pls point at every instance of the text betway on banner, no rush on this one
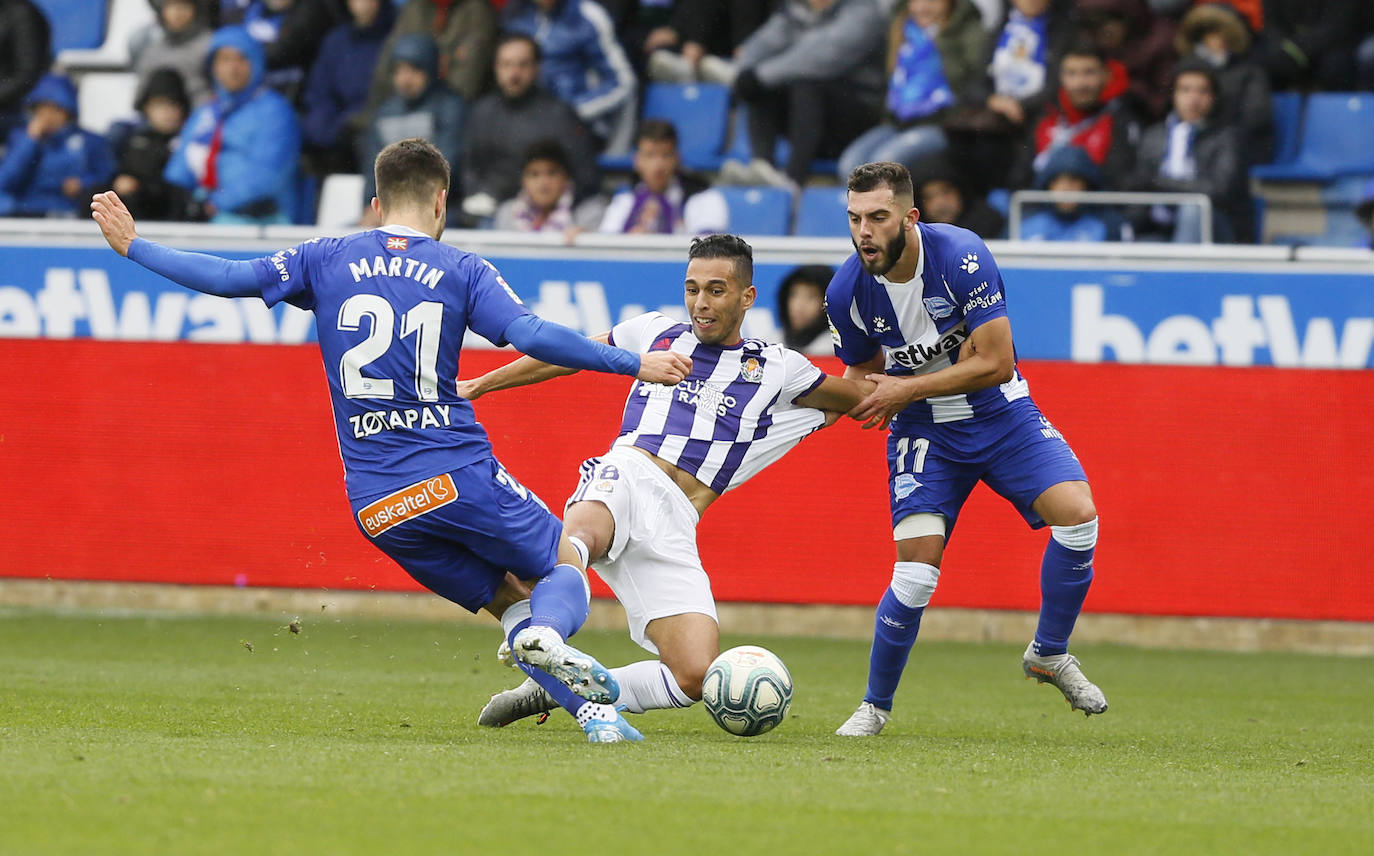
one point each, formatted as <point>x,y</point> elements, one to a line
<point>1293,316</point>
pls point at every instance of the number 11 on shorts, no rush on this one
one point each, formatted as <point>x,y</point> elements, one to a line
<point>906,445</point>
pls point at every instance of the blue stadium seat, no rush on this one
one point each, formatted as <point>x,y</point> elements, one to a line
<point>758,210</point>
<point>75,23</point>
<point>1336,130</point>
<point>821,213</point>
<point>1287,125</point>
<point>699,111</point>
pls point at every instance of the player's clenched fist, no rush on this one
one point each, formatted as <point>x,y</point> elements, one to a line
<point>667,367</point>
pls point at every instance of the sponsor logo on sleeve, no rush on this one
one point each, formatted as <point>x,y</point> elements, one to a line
<point>970,264</point>
<point>407,504</point>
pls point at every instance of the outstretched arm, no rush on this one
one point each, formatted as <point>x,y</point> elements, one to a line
<point>198,271</point>
<point>837,396</point>
<point>657,367</point>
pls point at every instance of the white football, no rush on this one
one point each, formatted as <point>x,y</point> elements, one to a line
<point>747,690</point>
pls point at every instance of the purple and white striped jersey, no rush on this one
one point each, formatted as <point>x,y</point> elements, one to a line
<point>735,414</point>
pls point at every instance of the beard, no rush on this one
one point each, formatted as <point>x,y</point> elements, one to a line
<point>887,256</point>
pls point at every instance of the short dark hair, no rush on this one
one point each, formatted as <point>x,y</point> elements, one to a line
<point>1084,46</point>
<point>1195,65</point>
<point>547,149</point>
<point>871,176</point>
<point>730,247</point>
<point>656,131</point>
<point>410,171</point>
<point>507,37</point>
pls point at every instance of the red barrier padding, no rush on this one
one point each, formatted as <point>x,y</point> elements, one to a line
<point>1225,492</point>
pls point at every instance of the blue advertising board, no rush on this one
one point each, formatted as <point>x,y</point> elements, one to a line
<point>1290,316</point>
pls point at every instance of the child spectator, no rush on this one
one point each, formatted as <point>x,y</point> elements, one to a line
<point>943,197</point>
<point>546,202</point>
<point>1217,34</point>
<point>337,86</point>
<point>142,149</point>
<point>1070,169</point>
<point>1191,151</point>
<point>801,310</point>
<point>179,39</point>
<point>51,165</point>
<point>664,200</point>
<point>237,153</point>
<point>421,105</point>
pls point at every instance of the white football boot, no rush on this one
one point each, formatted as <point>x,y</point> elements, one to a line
<point>867,721</point>
<point>1062,670</point>
<point>545,650</point>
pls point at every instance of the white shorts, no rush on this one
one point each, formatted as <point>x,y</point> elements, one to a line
<point>652,565</point>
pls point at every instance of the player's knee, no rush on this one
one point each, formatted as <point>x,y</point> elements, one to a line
<point>914,582</point>
<point>690,674</point>
<point>1078,536</point>
<point>920,538</point>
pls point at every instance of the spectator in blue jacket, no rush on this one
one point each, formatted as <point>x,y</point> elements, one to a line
<point>50,163</point>
<point>237,153</point>
<point>421,105</point>
<point>583,63</point>
<point>337,87</point>
<point>1070,168</point>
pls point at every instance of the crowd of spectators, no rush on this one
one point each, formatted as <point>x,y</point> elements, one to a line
<point>241,102</point>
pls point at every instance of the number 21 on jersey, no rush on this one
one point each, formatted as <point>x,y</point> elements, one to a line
<point>424,321</point>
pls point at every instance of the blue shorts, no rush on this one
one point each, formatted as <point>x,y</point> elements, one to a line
<point>1017,452</point>
<point>458,533</point>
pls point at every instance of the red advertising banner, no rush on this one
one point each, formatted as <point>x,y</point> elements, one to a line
<point>1222,492</point>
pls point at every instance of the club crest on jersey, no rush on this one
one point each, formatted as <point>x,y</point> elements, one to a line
<point>751,369</point>
<point>970,263</point>
<point>904,485</point>
<point>396,242</point>
<point>938,307</point>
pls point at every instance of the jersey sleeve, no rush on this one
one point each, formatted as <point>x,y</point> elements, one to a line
<point>975,282</point>
<point>853,345</point>
<point>492,303</point>
<point>800,376</point>
<point>285,275</point>
<point>638,333</point>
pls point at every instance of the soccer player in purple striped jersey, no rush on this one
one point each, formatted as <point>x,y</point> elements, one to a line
<point>919,309</point>
<point>635,510</point>
<point>391,308</point>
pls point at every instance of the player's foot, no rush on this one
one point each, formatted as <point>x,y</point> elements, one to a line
<point>867,721</point>
<point>1062,670</point>
<point>545,650</point>
<point>611,730</point>
<point>528,699</point>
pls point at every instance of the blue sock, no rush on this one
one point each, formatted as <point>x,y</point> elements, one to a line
<point>566,698</point>
<point>559,601</point>
<point>894,632</point>
<point>1064,579</point>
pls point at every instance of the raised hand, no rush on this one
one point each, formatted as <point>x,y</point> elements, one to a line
<point>667,367</point>
<point>115,221</point>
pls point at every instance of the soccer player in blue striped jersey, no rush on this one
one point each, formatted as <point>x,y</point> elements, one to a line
<point>919,309</point>
<point>391,308</point>
<point>745,404</point>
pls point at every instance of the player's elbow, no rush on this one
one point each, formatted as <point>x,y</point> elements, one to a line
<point>1003,370</point>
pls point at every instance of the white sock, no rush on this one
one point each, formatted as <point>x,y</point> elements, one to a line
<point>591,710</point>
<point>648,685</point>
<point>514,614</point>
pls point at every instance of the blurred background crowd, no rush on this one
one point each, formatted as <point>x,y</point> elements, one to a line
<point>691,116</point>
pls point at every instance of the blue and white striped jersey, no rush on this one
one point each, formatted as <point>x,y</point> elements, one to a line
<point>735,414</point>
<point>920,325</point>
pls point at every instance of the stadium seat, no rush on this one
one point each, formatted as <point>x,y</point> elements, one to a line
<point>1336,130</point>
<point>821,213</point>
<point>123,19</point>
<point>105,97</point>
<point>758,210</point>
<point>699,111</point>
<point>341,200</point>
<point>1287,125</point>
<point>76,24</point>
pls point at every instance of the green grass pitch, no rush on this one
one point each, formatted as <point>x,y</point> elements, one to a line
<point>132,734</point>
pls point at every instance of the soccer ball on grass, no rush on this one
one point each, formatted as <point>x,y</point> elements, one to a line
<point>747,690</point>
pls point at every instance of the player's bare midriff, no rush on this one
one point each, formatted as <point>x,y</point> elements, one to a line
<point>698,494</point>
